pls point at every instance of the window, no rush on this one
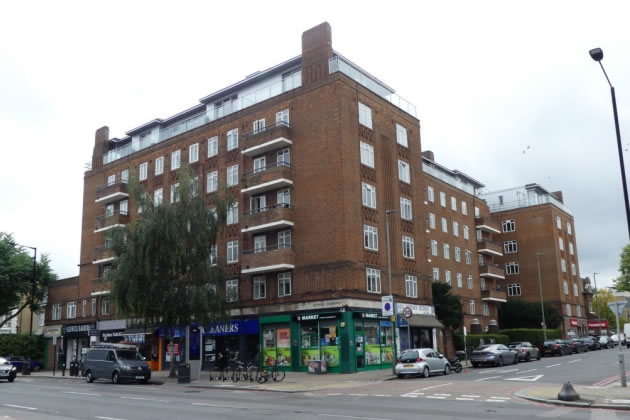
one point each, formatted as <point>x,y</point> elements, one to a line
<point>213,146</point>
<point>469,280</point>
<point>571,248</point>
<point>434,247</point>
<point>511,268</point>
<point>283,157</point>
<point>158,196</point>
<point>578,310</point>
<point>232,175</point>
<point>430,194</point>
<point>479,235</point>
<point>569,229</point>
<point>284,239</point>
<point>284,197</point>
<point>411,286</point>
<point>284,284</point>
<point>509,225</point>
<point>367,154</point>
<point>432,220</point>
<point>447,277</point>
<point>258,203</point>
<point>455,228</point>
<point>453,203</point>
<point>573,270</point>
<point>109,210</point>
<point>561,244</point>
<point>260,287</point>
<point>458,254</point>
<point>471,307</point>
<point>480,259</point>
<point>444,225</point>
<point>259,164</point>
<point>259,125</point>
<point>260,243</point>
<point>143,171</point>
<point>84,308</point>
<point>71,310</point>
<point>405,208</point>
<point>232,251</point>
<point>466,234</point>
<point>373,277</point>
<point>175,193</point>
<point>176,159</point>
<point>124,207</point>
<point>368,194</point>
<point>565,287</point>
<point>56,312</point>
<point>213,254</point>
<point>403,172</point>
<point>401,135</point>
<point>477,212</point>
<point>436,274</point>
<point>482,283</point>
<point>575,289</point>
<point>468,257</point>
<point>231,290</point>
<point>442,199</point>
<point>159,165</point>
<point>365,115</point>
<point>232,214</point>
<point>212,181</point>
<point>568,309</point>
<point>124,176</point>
<point>232,139</point>
<point>464,208</point>
<point>408,247</point>
<point>509,247</point>
<point>559,222</point>
<point>590,306</point>
<point>514,289</point>
<point>111,180</point>
<point>459,278</point>
<point>447,251</point>
<point>105,306</point>
<point>563,265</point>
<point>485,310</point>
<point>93,313</point>
<point>370,237</point>
<point>282,117</point>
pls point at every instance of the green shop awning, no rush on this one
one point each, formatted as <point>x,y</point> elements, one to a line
<point>426,321</point>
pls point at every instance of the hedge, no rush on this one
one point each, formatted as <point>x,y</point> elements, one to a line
<point>533,335</point>
<point>22,345</point>
<point>473,340</point>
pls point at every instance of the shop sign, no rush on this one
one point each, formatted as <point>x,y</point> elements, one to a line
<point>416,309</point>
<point>78,330</point>
<point>573,322</point>
<point>597,324</point>
<point>315,317</point>
<point>234,327</point>
<point>169,349</point>
<point>370,315</point>
<point>106,335</point>
<point>52,331</point>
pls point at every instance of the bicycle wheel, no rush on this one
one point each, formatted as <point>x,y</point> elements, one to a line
<point>236,374</point>
<point>251,373</point>
<point>277,374</point>
<point>262,376</point>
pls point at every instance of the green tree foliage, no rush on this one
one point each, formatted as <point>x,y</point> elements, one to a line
<point>31,346</point>
<point>448,307</point>
<point>601,299</point>
<point>533,335</point>
<point>16,279</point>
<point>474,340</point>
<point>162,272</point>
<point>622,283</point>
<point>523,314</point>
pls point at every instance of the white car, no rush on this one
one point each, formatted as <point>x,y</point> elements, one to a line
<point>615,339</point>
<point>423,362</point>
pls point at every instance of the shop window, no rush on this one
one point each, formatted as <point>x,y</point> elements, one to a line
<point>277,346</point>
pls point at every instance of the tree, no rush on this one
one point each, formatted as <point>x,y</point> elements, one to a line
<point>448,307</point>
<point>524,314</point>
<point>16,279</point>
<point>601,299</point>
<point>162,271</point>
<point>622,283</point>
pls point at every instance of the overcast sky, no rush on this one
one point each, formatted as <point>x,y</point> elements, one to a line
<point>488,79</point>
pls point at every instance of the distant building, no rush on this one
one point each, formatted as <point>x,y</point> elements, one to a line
<point>11,326</point>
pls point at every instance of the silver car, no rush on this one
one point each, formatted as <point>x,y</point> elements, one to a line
<point>423,362</point>
<point>493,354</point>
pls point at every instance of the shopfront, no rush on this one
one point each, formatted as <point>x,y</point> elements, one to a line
<point>76,337</point>
<point>319,340</point>
<point>237,339</point>
<point>374,341</point>
<point>277,340</point>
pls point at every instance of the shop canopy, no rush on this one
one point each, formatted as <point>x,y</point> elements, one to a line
<point>426,321</point>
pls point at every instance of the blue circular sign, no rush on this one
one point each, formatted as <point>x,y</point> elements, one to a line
<point>388,306</point>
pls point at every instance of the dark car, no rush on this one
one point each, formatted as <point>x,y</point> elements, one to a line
<point>526,350</point>
<point>591,343</point>
<point>7,370</point>
<point>19,361</point>
<point>553,347</point>
<point>577,345</point>
<point>493,354</point>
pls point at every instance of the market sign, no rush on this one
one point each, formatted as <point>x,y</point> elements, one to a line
<point>315,317</point>
<point>597,324</point>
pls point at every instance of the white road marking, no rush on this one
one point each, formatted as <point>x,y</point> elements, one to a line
<point>525,371</point>
<point>471,396</point>
<point>464,399</point>
<point>352,417</point>
<point>493,400</point>
<point>108,418</point>
<point>382,395</point>
<point>620,401</point>
<point>501,398</point>
<point>80,393</point>
<point>576,360</point>
<point>507,371</point>
<point>557,364</point>
<point>435,386</point>
<point>532,378</point>
<point>218,405</point>
<point>488,371</point>
<point>358,395</point>
<point>485,379</point>
<point>434,397</point>
<point>143,399</point>
<point>443,395</point>
<point>334,394</point>
<point>19,406</point>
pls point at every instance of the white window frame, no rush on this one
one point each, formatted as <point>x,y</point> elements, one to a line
<point>370,237</point>
<point>213,254</point>
<point>284,239</point>
<point>260,243</point>
<point>373,280</point>
<point>213,146</point>
<point>458,254</point>
<point>232,214</point>
<point>575,289</point>
<point>367,154</point>
<point>569,309</point>
<point>559,222</point>
<point>512,268</point>
<point>573,270</point>
<point>460,280</point>
<point>175,192</point>
<point>411,286</point>
<point>365,115</point>
<point>436,274</point>
<point>510,247</point>
<point>453,203</point>
<point>514,289</point>
<point>401,135</point>
<point>193,153</point>
<point>124,176</point>
<point>159,166</point>
<point>231,290</point>
<point>143,171</point>
<point>158,196</point>
<point>578,311</point>
<point>431,194</point>
<point>408,247</point>
<point>563,265</point>
<point>283,157</point>
<point>111,180</point>
<point>406,210</point>
<point>212,181</point>
<point>106,306</point>
<point>561,244</point>
<point>232,175</point>
<point>282,117</point>
<point>571,248</point>
<point>444,225</point>
<point>56,312</point>
<point>232,139</point>
<point>260,287</point>
<point>124,207</point>
<point>404,171</point>
<point>434,247</point>
<point>447,277</point>
<point>284,283</point>
<point>432,220</point>
<point>466,232</point>
<point>509,225</point>
<point>176,159</point>
<point>469,280</point>
<point>455,228</point>
<point>565,287</point>
<point>464,208</point>
<point>258,125</point>
<point>472,307</point>
<point>283,196</point>
<point>232,251</point>
<point>468,257</point>
<point>569,228</point>
<point>259,164</point>
<point>368,195</point>
<point>447,251</point>
<point>442,199</point>
<point>83,308</point>
<point>485,309</point>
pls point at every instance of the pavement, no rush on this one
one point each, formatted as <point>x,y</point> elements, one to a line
<point>611,397</point>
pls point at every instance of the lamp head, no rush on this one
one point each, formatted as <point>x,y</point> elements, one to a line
<point>596,54</point>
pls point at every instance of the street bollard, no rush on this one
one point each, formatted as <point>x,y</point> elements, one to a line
<point>568,393</point>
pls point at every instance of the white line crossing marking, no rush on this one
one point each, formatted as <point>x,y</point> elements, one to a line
<point>493,400</point>
<point>144,399</point>
<point>351,417</point>
<point>382,395</point>
<point>557,364</point>
<point>443,395</point>
<point>507,370</point>
<point>485,379</point>
<point>574,361</point>
<point>80,393</point>
<point>501,398</point>
<point>488,371</point>
<point>218,405</point>
<point>464,399</point>
<point>471,396</point>
<point>358,395</point>
<point>107,418</point>
<point>19,406</point>
<point>435,386</point>
<point>334,394</point>
<point>434,397</point>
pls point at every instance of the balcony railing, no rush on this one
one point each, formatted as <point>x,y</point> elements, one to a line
<point>264,209</point>
<point>269,91</point>
<point>491,270</point>
<point>541,199</point>
<point>451,180</point>
<point>339,64</point>
<point>112,191</point>
<point>106,221</point>
<point>281,164</point>
<point>274,217</point>
<point>270,138</point>
<point>487,224</point>
<point>267,248</point>
<point>485,246</point>
<point>267,129</point>
<point>494,294</point>
<point>268,259</point>
<point>102,253</point>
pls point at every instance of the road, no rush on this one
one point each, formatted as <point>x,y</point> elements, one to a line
<point>479,394</point>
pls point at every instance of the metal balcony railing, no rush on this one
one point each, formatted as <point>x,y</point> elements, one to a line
<point>267,248</point>
<point>264,209</point>
<point>266,168</point>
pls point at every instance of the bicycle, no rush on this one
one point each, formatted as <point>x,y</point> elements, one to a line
<point>277,375</point>
<point>244,373</point>
<point>219,374</point>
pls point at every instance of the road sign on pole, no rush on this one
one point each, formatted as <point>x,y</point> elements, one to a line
<point>387,305</point>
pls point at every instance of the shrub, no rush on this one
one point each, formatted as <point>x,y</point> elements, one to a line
<point>533,335</point>
<point>22,345</point>
<point>473,340</point>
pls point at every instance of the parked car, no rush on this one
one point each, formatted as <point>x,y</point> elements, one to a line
<point>19,361</point>
<point>615,339</point>
<point>526,350</point>
<point>591,343</point>
<point>7,370</point>
<point>577,345</point>
<point>117,362</point>
<point>423,362</point>
<point>557,346</point>
<point>605,342</point>
<point>493,354</point>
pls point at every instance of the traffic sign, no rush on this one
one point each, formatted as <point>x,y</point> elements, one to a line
<point>407,312</point>
<point>387,304</point>
<point>617,307</point>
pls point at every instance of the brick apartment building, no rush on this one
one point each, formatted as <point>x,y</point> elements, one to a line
<point>316,150</point>
<point>533,221</point>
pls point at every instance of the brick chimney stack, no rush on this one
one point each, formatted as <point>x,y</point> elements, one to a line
<point>100,146</point>
<point>316,51</point>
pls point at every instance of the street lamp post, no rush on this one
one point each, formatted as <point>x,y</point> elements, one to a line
<point>542,306</point>
<point>391,293</point>
<point>599,320</point>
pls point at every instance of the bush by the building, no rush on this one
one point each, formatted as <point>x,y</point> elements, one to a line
<point>31,346</point>
<point>533,335</point>
<point>474,340</point>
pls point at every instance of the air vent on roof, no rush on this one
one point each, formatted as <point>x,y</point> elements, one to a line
<point>252,75</point>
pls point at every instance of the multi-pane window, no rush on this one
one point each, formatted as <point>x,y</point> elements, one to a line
<point>514,289</point>
<point>158,196</point>
<point>232,139</point>
<point>468,257</point>
<point>571,248</point>
<point>109,210</point>
<point>458,254</point>
<point>212,181</point>
<point>260,243</point>
<point>573,269</point>
<point>213,146</point>
<point>447,251</point>
<point>176,159</point>
<point>569,229</point>
<point>231,290</point>
<point>447,277</point>
<point>232,251</point>
<point>93,313</point>
<point>405,208</point>
<point>401,135</point>
<point>260,287</point>
<point>511,268</point>
<point>442,199</point>
<point>232,175</point>
<point>509,225</point>
<point>578,310</point>
<point>71,310</point>
<point>284,284</point>
<point>259,164</point>
<point>482,283</point>
<point>373,277</point>
<point>455,228</point>
<point>111,180</point>
<point>436,274</point>
<point>193,153</point>
<point>282,117</point>
<point>563,265</point>
<point>403,172</point>
<point>232,214</point>
<point>575,289</point>
<point>143,171</point>
<point>213,254</point>
<point>259,125</point>
<point>283,157</point>
<point>283,197</point>
<point>477,214</point>
<point>434,247</point>
<point>408,247</point>
<point>453,203</point>
<point>365,115</point>
<point>444,225</point>
<point>469,280</point>
<point>509,247</point>
<point>565,287</point>
<point>175,192</point>
<point>464,208</point>
<point>124,207</point>
<point>559,222</point>
<point>561,244</point>
<point>471,307</point>
<point>432,220</point>
<point>367,154</point>
<point>370,237</point>
<point>466,233</point>
<point>431,194</point>
<point>159,165</point>
<point>568,309</point>
<point>105,306</point>
<point>411,286</point>
<point>460,282</point>
<point>284,239</point>
<point>485,310</point>
<point>368,194</point>
<point>258,203</point>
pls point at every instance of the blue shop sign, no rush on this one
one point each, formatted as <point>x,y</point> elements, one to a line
<point>233,327</point>
<point>178,332</point>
